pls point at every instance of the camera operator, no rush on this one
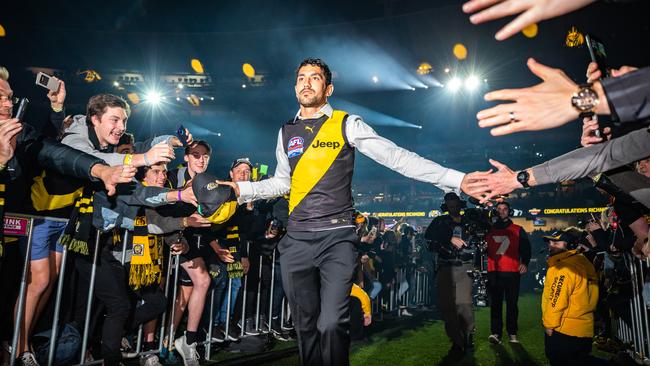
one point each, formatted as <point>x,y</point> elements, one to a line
<point>508,250</point>
<point>445,234</point>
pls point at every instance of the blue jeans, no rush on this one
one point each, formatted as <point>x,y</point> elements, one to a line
<point>219,285</point>
<point>236,284</point>
<point>375,289</point>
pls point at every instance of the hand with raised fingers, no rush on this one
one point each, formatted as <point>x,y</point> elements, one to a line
<point>530,12</point>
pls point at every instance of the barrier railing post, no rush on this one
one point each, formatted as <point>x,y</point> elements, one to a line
<point>282,312</point>
<point>125,239</point>
<point>89,303</point>
<point>244,288</point>
<point>163,321</point>
<point>636,324</point>
<point>177,264</point>
<point>21,294</point>
<point>259,293</point>
<point>208,346</point>
<point>271,293</point>
<point>57,306</point>
<point>228,303</point>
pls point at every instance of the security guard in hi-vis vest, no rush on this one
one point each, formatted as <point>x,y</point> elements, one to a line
<point>315,153</point>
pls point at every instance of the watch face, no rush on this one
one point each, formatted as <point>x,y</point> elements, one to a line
<point>585,99</point>
<point>522,177</point>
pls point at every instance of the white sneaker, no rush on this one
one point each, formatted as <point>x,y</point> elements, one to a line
<point>28,359</point>
<point>150,360</point>
<point>405,312</point>
<point>187,351</point>
<point>513,338</point>
<point>494,339</point>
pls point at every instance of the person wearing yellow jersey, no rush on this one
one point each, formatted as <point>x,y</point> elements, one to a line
<point>315,154</point>
<point>360,312</point>
<point>568,303</point>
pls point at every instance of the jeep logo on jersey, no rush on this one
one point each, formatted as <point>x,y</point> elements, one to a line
<point>333,144</point>
<point>295,146</point>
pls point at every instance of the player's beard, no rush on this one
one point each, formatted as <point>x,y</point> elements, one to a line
<point>310,101</point>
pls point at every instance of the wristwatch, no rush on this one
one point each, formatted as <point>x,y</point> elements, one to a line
<point>585,100</point>
<point>522,177</point>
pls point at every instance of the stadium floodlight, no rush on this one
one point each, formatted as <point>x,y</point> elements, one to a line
<point>472,83</point>
<point>454,84</point>
<point>153,97</point>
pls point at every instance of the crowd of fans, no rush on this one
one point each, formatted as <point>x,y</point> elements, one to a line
<point>160,265</point>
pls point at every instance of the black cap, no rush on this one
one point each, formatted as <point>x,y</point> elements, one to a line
<point>216,202</point>
<point>561,235</point>
<point>240,161</point>
<point>451,196</point>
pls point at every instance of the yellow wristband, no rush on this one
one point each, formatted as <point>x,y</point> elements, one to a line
<point>128,159</point>
<point>56,109</point>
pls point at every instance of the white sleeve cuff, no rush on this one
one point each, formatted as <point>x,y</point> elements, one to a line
<point>246,192</point>
<point>452,180</point>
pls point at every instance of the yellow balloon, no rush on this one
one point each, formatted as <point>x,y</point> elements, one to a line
<point>194,100</point>
<point>460,51</point>
<point>530,31</point>
<point>197,66</point>
<point>248,70</point>
<point>133,98</point>
<point>2,31</point>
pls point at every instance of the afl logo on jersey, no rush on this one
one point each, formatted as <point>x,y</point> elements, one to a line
<point>295,147</point>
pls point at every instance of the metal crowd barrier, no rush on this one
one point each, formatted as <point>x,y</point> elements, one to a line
<point>229,298</point>
<point>26,229</point>
<point>418,293</point>
<point>637,333</point>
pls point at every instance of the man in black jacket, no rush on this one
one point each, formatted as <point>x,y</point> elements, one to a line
<point>447,236</point>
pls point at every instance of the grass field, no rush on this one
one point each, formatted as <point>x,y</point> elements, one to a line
<point>421,340</point>
<point>427,344</point>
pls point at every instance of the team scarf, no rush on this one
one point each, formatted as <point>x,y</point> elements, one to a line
<point>147,257</point>
<point>77,233</point>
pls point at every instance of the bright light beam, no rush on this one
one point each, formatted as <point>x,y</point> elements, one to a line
<point>153,97</point>
<point>472,83</point>
<point>454,84</point>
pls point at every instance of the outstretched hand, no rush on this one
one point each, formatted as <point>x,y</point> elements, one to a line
<point>494,184</point>
<point>232,185</point>
<point>543,106</point>
<point>530,12</point>
<point>473,178</point>
<point>111,176</point>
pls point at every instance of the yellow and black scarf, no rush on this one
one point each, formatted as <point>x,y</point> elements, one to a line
<point>147,257</point>
<point>80,225</point>
<point>234,269</point>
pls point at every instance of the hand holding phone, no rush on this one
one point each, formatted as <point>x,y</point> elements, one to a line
<point>597,54</point>
<point>47,81</point>
<point>181,133</point>
<point>22,108</point>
